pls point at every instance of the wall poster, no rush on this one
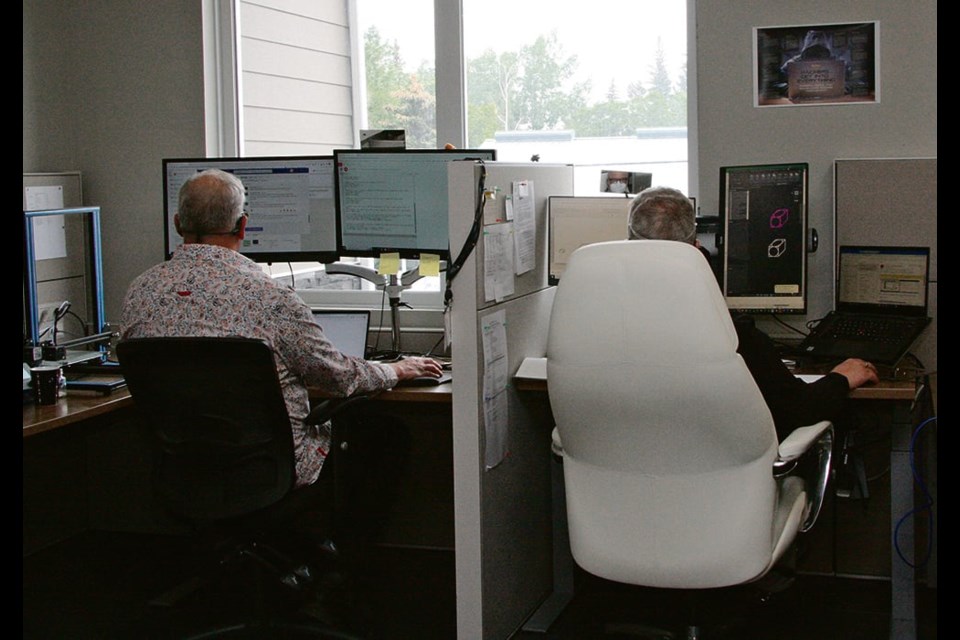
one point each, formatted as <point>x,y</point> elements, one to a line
<point>817,64</point>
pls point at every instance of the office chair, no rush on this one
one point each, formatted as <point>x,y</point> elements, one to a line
<point>672,470</point>
<point>223,461</point>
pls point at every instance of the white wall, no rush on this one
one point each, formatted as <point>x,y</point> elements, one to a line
<point>732,131</point>
<point>111,88</point>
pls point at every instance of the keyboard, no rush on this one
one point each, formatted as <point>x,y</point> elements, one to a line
<point>873,329</point>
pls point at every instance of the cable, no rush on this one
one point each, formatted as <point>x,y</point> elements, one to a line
<point>788,326</point>
<point>429,353</point>
<point>471,242</point>
<point>926,506</point>
<point>81,321</point>
<point>810,324</point>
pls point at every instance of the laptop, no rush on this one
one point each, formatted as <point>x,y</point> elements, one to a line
<point>881,306</point>
<point>346,330</point>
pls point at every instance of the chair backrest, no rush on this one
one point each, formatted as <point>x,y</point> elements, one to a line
<point>221,433</point>
<point>668,444</point>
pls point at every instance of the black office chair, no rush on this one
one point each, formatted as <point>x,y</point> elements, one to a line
<point>223,461</point>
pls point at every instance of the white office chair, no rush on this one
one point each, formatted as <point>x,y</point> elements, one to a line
<point>673,474</point>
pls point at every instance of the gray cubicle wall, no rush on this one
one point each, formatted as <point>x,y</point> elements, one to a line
<point>886,201</point>
<point>892,201</point>
<point>502,514</point>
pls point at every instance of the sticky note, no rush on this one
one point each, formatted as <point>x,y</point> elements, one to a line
<point>429,264</point>
<point>389,264</point>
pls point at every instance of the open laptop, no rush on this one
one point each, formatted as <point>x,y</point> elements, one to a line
<point>347,330</point>
<point>881,306</point>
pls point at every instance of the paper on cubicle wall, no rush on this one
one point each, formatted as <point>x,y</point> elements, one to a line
<point>49,236</point>
<point>495,377</point>
<point>524,226</point>
<point>498,271</point>
<point>41,198</point>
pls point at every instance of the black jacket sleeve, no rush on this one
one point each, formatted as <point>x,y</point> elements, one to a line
<point>792,402</point>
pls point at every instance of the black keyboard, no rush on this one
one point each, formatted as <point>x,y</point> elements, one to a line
<point>873,329</point>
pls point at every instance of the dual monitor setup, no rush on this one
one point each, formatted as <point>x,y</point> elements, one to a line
<point>761,237</point>
<point>355,203</point>
<point>365,203</point>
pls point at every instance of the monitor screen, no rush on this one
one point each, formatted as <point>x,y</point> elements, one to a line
<point>395,201</point>
<point>289,201</point>
<point>763,237</point>
<point>575,221</point>
<point>346,330</point>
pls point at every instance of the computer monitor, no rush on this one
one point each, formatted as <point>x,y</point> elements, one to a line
<point>763,210</point>
<point>289,201</point>
<point>575,221</point>
<point>395,201</point>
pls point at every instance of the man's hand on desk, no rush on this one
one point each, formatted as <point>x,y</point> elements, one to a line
<point>857,372</point>
<point>416,367</point>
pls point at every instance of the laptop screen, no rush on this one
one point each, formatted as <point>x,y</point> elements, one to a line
<point>346,330</point>
<point>883,279</point>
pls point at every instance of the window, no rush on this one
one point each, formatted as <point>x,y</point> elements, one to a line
<point>601,86</point>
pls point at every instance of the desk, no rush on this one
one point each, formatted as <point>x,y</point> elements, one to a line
<point>71,410</point>
<point>79,407</point>
<point>401,442</point>
<point>57,463</point>
<point>903,615</point>
<point>85,467</point>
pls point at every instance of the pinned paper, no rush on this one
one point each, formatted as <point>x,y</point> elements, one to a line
<point>525,225</point>
<point>389,264</point>
<point>429,264</point>
<point>496,419</point>
<point>498,278</point>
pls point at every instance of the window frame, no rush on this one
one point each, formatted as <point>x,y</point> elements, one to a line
<point>224,124</point>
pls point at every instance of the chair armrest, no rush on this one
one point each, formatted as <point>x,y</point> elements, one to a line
<point>814,440</point>
<point>800,441</point>
<point>325,410</point>
<point>556,446</point>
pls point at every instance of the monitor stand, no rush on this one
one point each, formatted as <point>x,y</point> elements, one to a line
<point>393,284</point>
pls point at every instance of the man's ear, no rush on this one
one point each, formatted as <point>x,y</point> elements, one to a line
<point>241,228</point>
<point>176,224</point>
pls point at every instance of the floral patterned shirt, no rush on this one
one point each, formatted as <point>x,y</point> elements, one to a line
<point>207,290</point>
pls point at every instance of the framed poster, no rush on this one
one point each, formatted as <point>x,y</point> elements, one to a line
<point>816,64</point>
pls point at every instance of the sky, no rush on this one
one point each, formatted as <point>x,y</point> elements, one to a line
<point>616,41</point>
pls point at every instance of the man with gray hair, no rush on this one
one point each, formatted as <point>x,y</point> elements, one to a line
<point>662,213</point>
<point>208,289</point>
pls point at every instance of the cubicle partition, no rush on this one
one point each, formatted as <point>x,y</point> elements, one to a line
<point>501,438</point>
<point>892,201</point>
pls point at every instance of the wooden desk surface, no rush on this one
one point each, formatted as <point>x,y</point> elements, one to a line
<point>441,393</point>
<point>74,408</point>
<point>77,407</point>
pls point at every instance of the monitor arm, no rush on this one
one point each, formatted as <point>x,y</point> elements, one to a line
<point>392,284</point>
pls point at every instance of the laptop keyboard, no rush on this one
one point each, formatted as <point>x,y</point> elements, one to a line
<point>873,329</point>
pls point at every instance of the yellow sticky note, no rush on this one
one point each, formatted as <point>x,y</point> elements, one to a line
<point>429,264</point>
<point>389,264</point>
